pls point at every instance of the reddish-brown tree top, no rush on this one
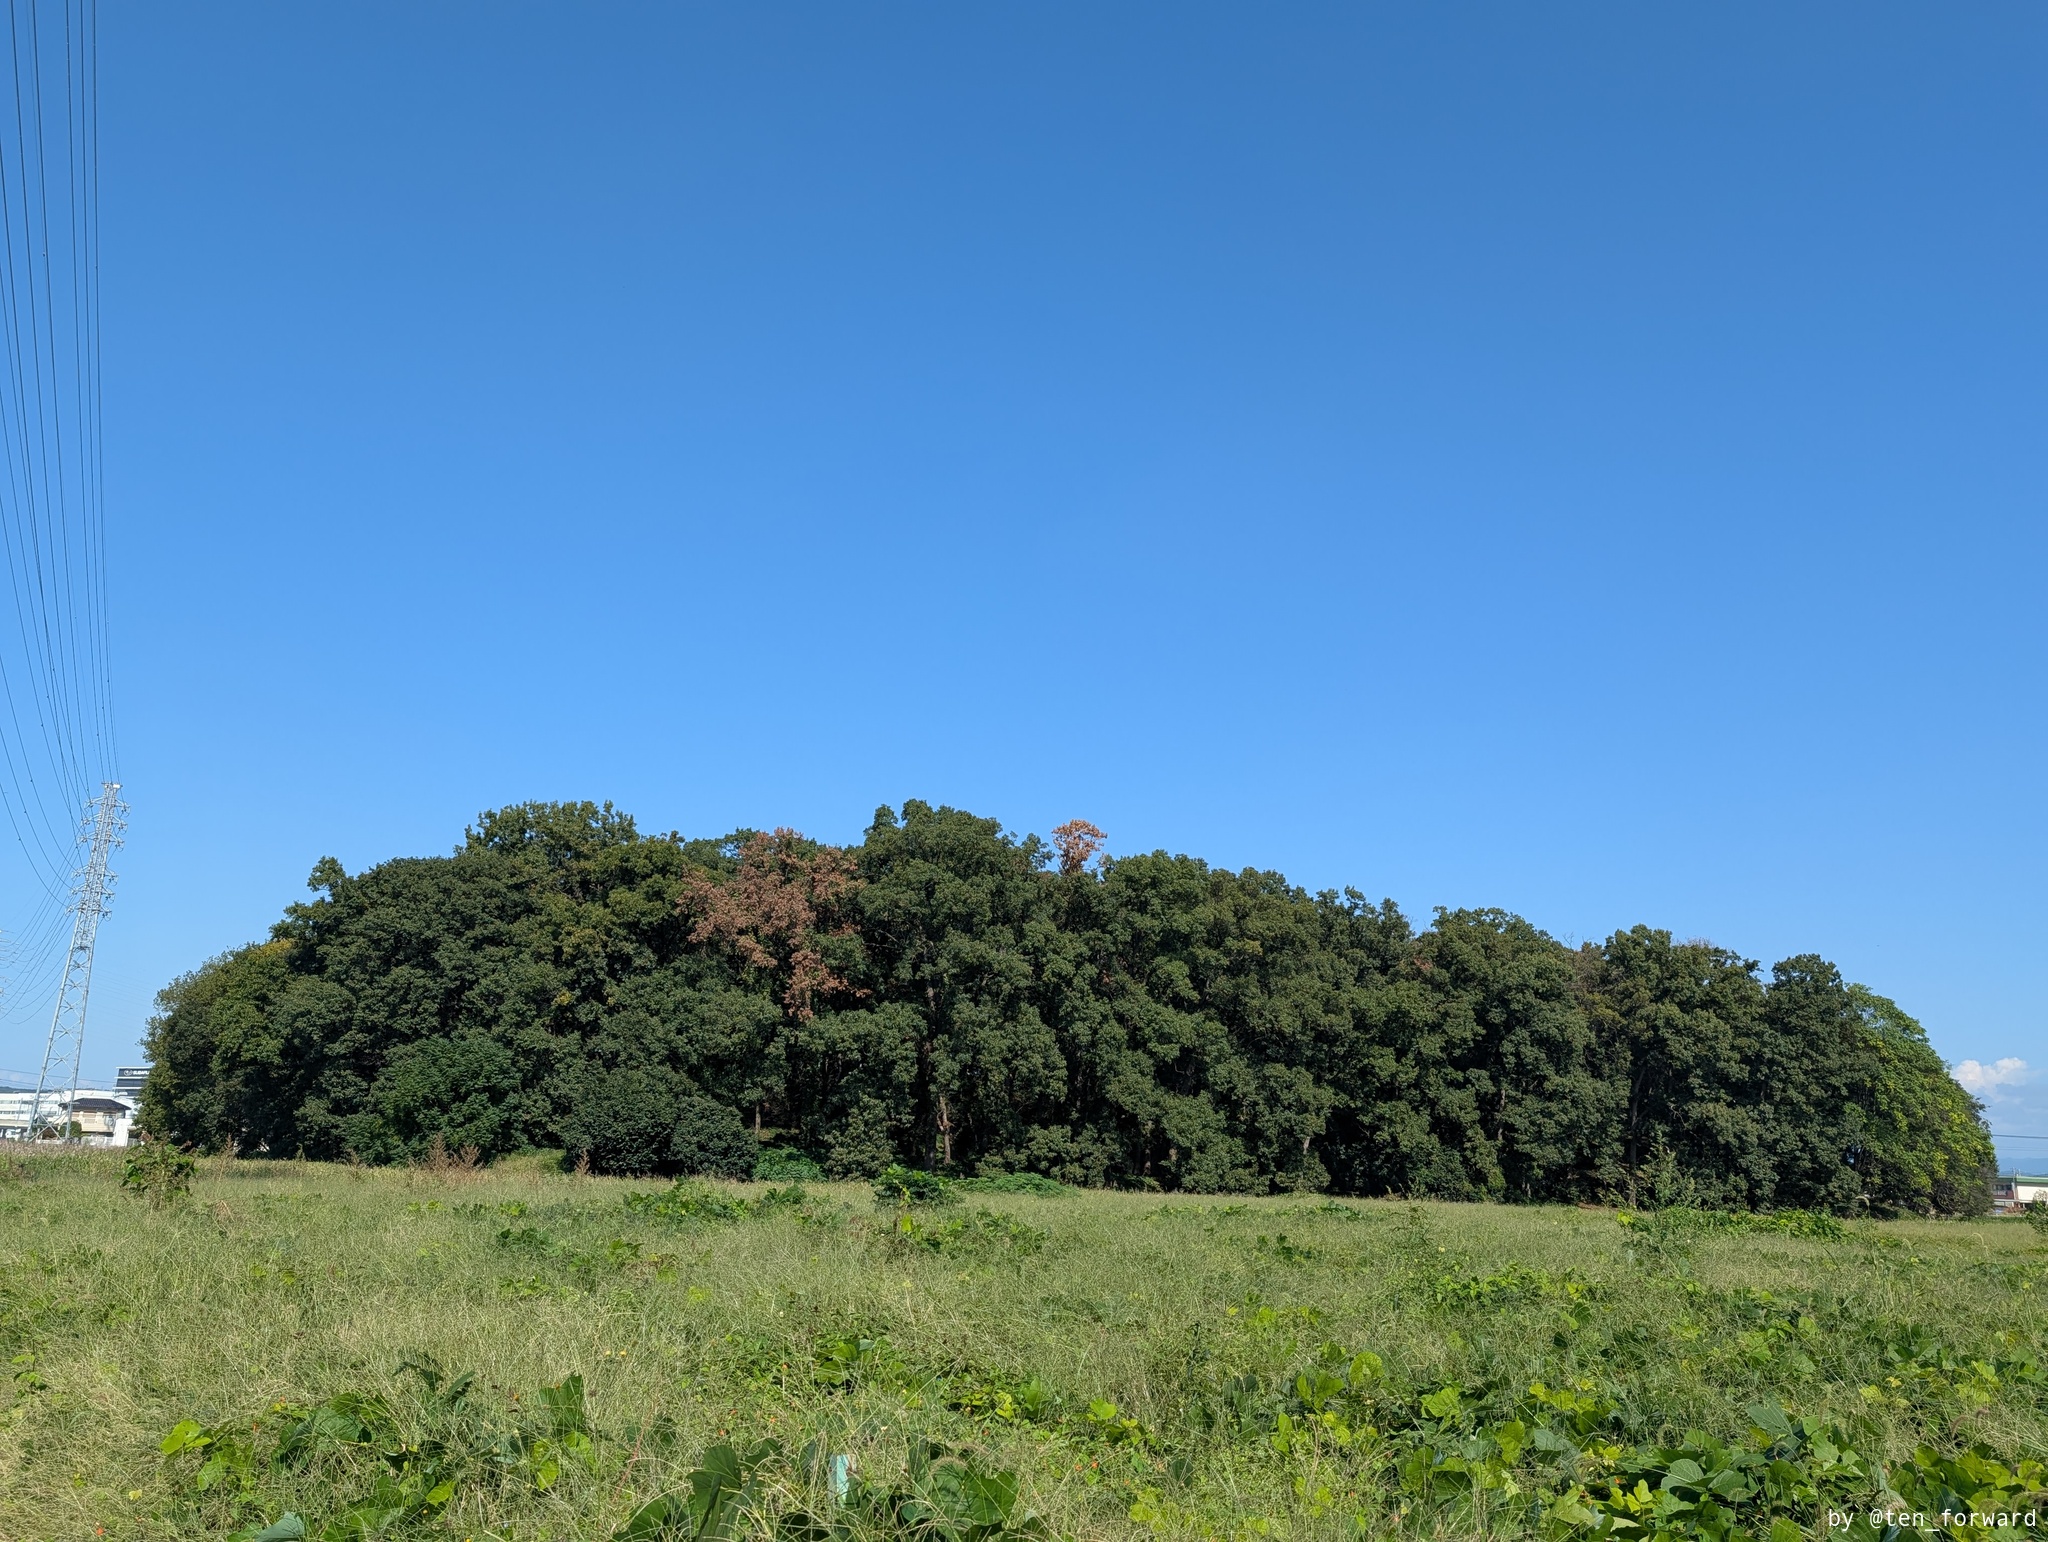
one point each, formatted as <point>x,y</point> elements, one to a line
<point>1076,841</point>
<point>776,911</point>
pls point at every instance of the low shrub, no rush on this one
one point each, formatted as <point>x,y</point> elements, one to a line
<point>632,1122</point>
<point>1016,1183</point>
<point>906,1186</point>
<point>1683,1221</point>
<point>709,1139</point>
<point>621,1122</point>
<point>159,1172</point>
<point>786,1164</point>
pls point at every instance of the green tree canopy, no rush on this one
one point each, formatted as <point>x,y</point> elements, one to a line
<point>946,994</point>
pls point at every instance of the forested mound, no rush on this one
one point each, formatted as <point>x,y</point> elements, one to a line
<point>946,995</point>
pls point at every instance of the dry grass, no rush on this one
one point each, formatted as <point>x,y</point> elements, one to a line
<point>285,1283</point>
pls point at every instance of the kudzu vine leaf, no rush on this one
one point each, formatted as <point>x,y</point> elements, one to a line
<point>288,1527</point>
<point>1442,1404</point>
<point>1772,1420</point>
<point>653,1521</point>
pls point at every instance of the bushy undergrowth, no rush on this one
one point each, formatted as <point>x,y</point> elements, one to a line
<point>786,1164</point>
<point>160,1173</point>
<point>338,1355</point>
<point>1680,1221</point>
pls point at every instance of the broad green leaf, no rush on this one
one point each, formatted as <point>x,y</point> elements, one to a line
<point>1687,1471</point>
<point>565,1405</point>
<point>654,1521</point>
<point>1771,1419</point>
<point>1442,1404</point>
<point>288,1527</point>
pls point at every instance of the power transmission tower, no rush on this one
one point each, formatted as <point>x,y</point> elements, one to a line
<point>106,817</point>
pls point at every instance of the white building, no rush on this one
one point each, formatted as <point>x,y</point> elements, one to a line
<point>104,1116</point>
<point>2015,1191</point>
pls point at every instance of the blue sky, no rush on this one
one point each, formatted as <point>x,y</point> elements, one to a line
<point>1582,460</point>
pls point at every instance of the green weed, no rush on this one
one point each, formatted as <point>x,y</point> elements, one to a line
<point>979,1234</point>
<point>906,1186</point>
<point>1510,1285</point>
<point>1680,1221</point>
<point>786,1164</point>
<point>685,1200</point>
<point>159,1172</point>
<point>1410,1371</point>
<point>1016,1183</point>
<point>387,1472</point>
<point>944,1495</point>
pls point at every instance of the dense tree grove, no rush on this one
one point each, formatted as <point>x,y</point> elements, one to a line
<point>948,995</point>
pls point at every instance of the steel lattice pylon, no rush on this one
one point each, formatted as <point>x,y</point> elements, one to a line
<point>105,818</point>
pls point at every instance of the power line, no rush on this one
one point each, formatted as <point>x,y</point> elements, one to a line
<point>57,739</point>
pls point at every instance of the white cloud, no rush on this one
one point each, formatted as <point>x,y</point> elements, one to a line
<point>1985,1080</point>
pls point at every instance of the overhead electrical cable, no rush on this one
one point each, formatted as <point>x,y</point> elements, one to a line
<point>58,746</point>
<point>39,614</point>
<point>25,546</point>
<point>49,419</point>
<point>69,637</point>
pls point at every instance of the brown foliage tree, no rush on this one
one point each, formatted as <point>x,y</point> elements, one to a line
<point>776,912</point>
<point>1076,841</point>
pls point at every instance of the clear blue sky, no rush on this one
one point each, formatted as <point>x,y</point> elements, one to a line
<point>1587,460</point>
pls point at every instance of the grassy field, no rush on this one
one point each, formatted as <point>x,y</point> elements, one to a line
<point>292,1340</point>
